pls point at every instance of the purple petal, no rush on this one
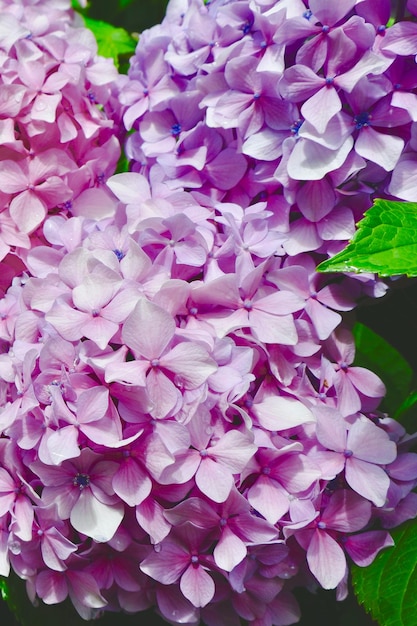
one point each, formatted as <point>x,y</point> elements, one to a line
<point>401,38</point>
<point>347,512</point>
<point>369,480</point>
<point>404,179</point>
<point>321,107</point>
<point>299,83</point>
<point>311,161</point>
<point>331,429</point>
<point>233,450</point>
<point>330,13</point>
<point>326,560</point>
<point>370,443</point>
<point>272,328</point>
<point>384,150</point>
<point>363,547</point>
<point>226,169</point>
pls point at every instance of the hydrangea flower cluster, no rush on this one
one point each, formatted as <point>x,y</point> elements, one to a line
<point>183,425</point>
<point>58,141</point>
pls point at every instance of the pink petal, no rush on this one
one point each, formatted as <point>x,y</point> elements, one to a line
<point>233,450</point>
<point>279,413</point>
<point>150,517</point>
<point>67,321</point>
<point>229,551</point>
<point>84,589</point>
<point>197,586</point>
<point>55,549</point>
<point>93,294</point>
<point>191,362</point>
<point>95,519</point>
<point>165,397</point>
<point>51,587</point>
<point>347,512</point>
<point>166,565</point>
<point>212,480</point>
<point>131,483</point>
<point>367,382</point>
<point>130,187</point>
<point>23,515</point>
<point>156,326</point>
<point>92,404</point>
<point>269,498</point>
<point>27,211</point>
<point>63,444</point>
<point>131,372</point>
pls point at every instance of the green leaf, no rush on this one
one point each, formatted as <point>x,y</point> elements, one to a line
<point>387,587</point>
<point>125,3</point>
<point>406,413</point>
<point>112,42</point>
<point>377,355</point>
<point>385,242</point>
<point>77,6</point>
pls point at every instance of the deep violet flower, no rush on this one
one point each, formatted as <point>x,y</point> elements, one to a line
<point>179,397</point>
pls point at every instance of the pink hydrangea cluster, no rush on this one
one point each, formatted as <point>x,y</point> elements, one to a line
<point>183,425</point>
<point>58,141</point>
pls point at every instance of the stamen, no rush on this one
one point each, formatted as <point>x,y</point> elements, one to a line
<point>82,481</point>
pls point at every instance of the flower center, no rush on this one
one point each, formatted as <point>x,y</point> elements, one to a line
<point>120,255</point>
<point>296,127</point>
<point>81,481</point>
<point>362,120</point>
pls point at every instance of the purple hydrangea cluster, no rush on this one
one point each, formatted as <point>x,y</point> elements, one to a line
<point>183,425</point>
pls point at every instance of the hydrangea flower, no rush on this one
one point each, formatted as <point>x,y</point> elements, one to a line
<point>178,386</point>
